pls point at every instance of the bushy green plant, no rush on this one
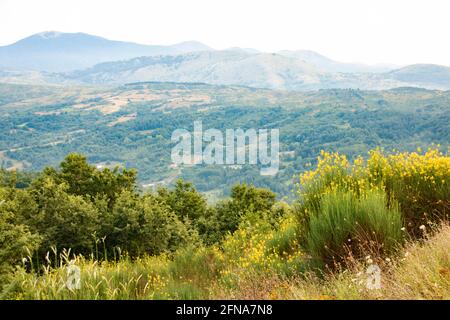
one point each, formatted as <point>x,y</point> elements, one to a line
<point>246,200</point>
<point>346,225</point>
<point>184,200</point>
<point>143,225</point>
<point>86,180</point>
<point>16,240</point>
<point>63,220</point>
<point>419,182</point>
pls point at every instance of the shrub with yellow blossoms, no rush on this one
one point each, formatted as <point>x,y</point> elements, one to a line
<point>419,181</point>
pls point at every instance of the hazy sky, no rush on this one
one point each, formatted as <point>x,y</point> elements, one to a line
<point>370,31</point>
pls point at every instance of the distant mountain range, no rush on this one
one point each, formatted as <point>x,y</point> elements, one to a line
<point>326,64</point>
<point>54,51</point>
<point>260,70</point>
<point>82,58</point>
<point>227,67</point>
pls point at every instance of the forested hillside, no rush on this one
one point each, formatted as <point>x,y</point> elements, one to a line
<point>132,125</point>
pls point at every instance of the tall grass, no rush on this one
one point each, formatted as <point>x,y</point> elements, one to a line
<point>421,270</point>
<point>345,224</point>
<point>145,278</point>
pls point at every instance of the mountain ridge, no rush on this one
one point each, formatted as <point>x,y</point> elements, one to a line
<point>261,70</point>
<point>55,51</point>
<point>329,65</point>
<point>80,58</point>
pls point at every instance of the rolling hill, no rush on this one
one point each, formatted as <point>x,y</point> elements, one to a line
<point>265,70</point>
<point>258,70</point>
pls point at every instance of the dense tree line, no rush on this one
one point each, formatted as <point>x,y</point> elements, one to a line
<point>102,212</point>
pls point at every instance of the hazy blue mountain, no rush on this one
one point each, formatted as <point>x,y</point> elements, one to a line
<point>55,51</point>
<point>329,65</point>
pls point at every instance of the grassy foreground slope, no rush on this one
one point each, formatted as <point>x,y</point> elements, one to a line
<point>390,211</point>
<point>420,271</point>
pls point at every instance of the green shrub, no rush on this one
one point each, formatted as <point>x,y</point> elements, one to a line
<point>184,200</point>
<point>62,219</point>
<point>345,224</point>
<point>143,225</point>
<point>16,240</point>
<point>245,201</point>
<point>419,182</point>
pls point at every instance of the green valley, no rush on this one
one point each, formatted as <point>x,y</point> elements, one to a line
<point>131,126</point>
